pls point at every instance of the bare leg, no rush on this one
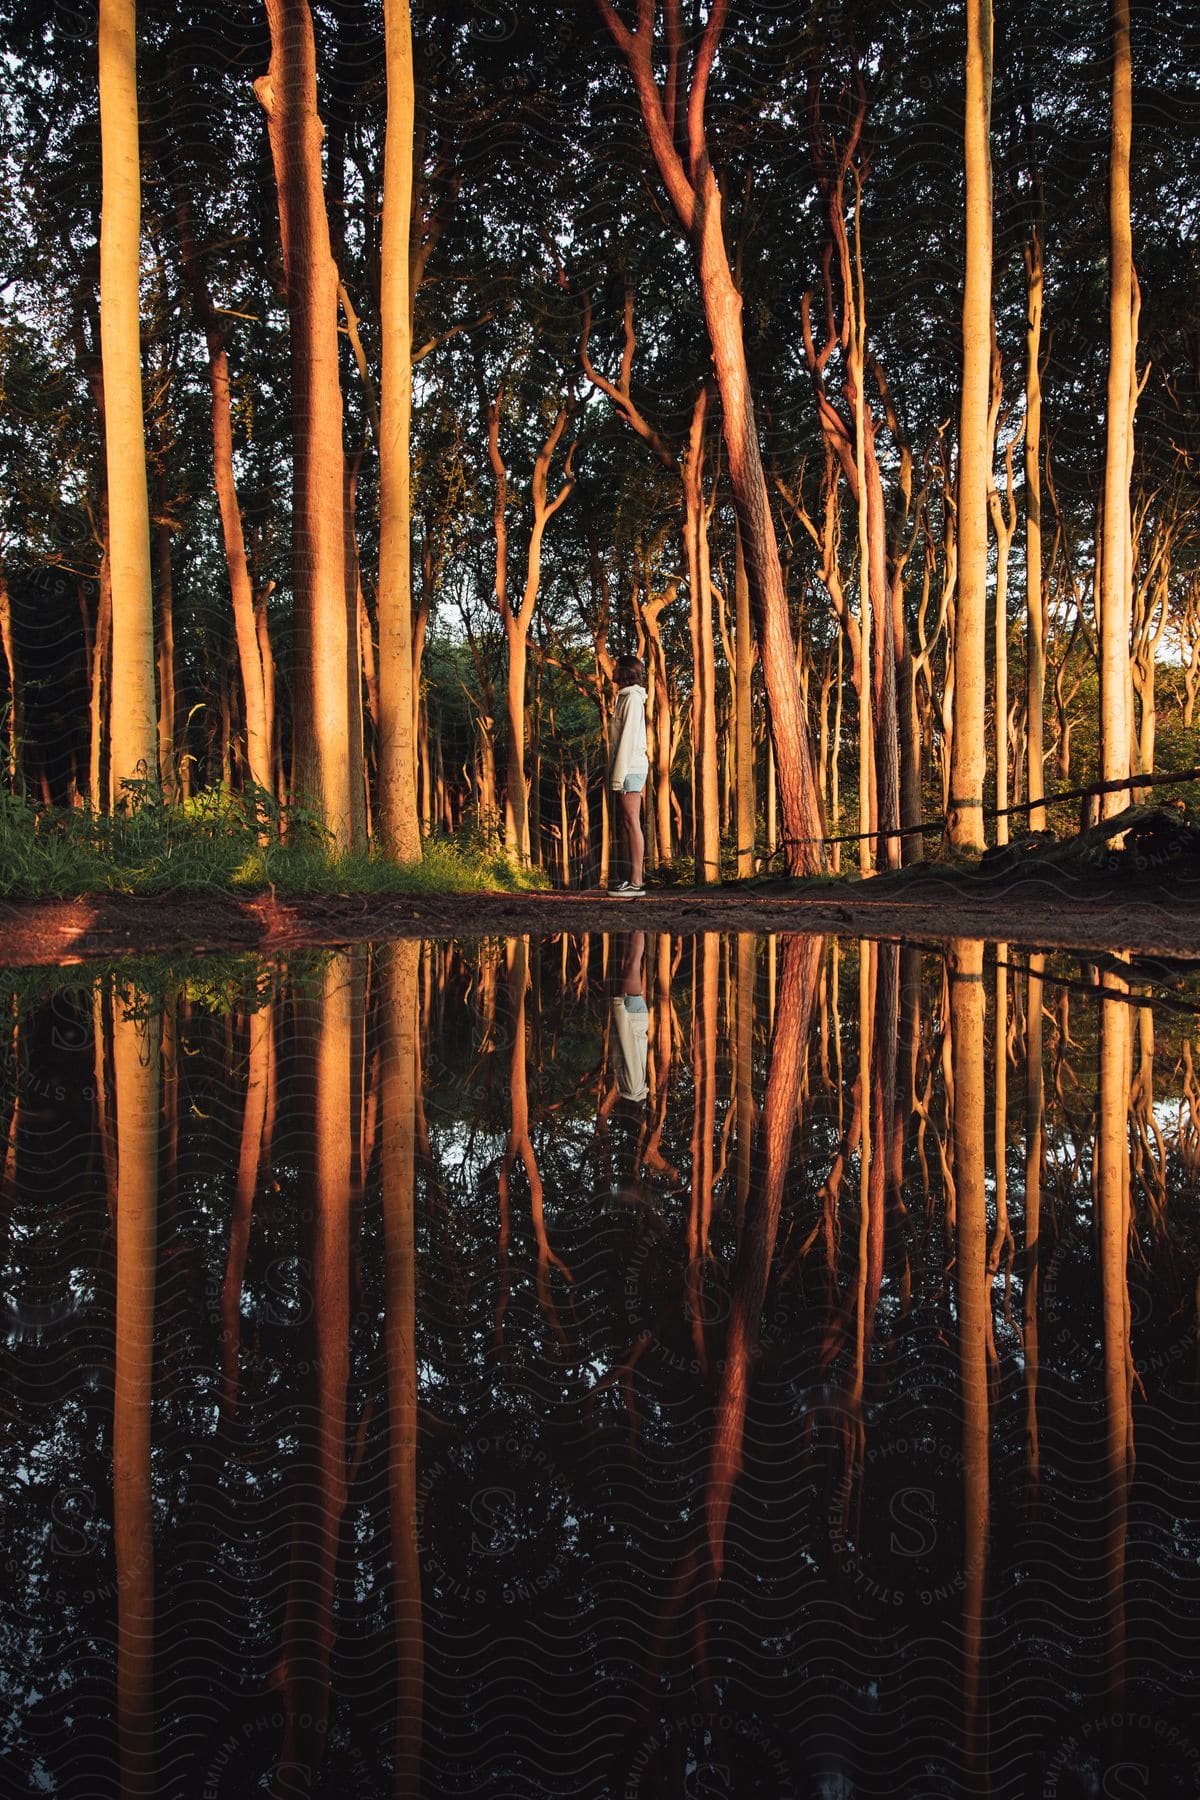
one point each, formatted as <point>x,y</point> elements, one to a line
<point>630,812</point>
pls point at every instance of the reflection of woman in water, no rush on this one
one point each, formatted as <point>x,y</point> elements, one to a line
<point>631,1025</point>
<point>628,767</point>
<point>629,1044</point>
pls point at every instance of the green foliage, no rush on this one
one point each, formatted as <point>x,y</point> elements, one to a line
<point>220,843</point>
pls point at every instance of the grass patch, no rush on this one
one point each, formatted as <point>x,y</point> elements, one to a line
<point>212,844</point>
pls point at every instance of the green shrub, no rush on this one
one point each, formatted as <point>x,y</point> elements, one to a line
<point>221,842</point>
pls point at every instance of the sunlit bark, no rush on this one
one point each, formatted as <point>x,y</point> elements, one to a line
<point>397,768</point>
<point>245,622</point>
<point>321,766</point>
<point>706,821</point>
<point>673,116</point>
<point>1115,570</point>
<point>134,727</point>
<point>968,754</point>
<point>16,731</point>
<point>747,805</point>
<point>1035,630</point>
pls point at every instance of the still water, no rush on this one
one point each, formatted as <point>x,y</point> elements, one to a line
<point>624,1367</point>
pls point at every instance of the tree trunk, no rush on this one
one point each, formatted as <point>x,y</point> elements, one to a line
<point>885,725</point>
<point>866,737</point>
<point>1115,598</point>
<point>659,723</point>
<point>426,765</point>
<point>1035,605</point>
<point>697,202</point>
<point>356,742</point>
<point>968,752</point>
<point>516,627</point>
<point>15,728</point>
<point>321,728</point>
<point>516,798</point>
<point>134,733</point>
<point>397,765</point>
<point>166,659</point>
<point>1004,524</point>
<point>706,822</point>
<point>245,623</point>
<point>743,649</point>
<point>100,685</point>
<point>800,802</point>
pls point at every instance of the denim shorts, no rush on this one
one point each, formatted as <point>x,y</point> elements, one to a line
<point>633,784</point>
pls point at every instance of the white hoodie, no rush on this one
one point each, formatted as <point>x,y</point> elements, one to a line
<point>628,737</point>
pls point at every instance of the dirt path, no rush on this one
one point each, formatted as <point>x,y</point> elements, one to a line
<point>1035,911</point>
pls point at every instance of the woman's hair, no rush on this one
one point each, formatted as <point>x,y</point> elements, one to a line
<point>629,671</point>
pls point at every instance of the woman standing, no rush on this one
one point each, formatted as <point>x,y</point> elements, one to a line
<point>628,767</point>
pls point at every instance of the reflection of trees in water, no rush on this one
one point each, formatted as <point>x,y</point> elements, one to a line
<point>135,1063</point>
<point>888,1228</point>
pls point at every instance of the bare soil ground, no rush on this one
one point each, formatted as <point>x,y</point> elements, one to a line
<point>1037,909</point>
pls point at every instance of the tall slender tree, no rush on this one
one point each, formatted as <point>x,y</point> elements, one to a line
<point>1035,604</point>
<point>321,761</point>
<point>398,818</point>
<point>968,753</point>
<point>134,726</point>
<point>673,117</point>
<point>241,587</point>
<point>1115,547</point>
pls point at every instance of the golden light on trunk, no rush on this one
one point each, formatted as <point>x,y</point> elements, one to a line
<point>706,820</point>
<point>1035,637</point>
<point>673,117</point>
<point>1115,559</point>
<point>249,627</point>
<point>968,754</point>
<point>397,766</point>
<point>134,727</point>
<point>747,809</point>
<point>321,744</point>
